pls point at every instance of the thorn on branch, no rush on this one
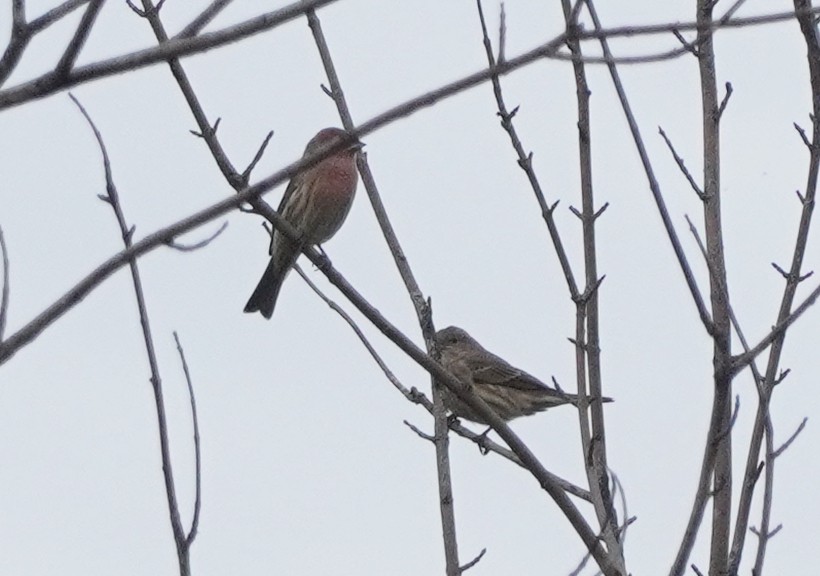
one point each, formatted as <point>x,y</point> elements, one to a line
<point>805,276</point>
<point>781,377</point>
<point>104,198</point>
<point>779,269</point>
<point>557,385</point>
<point>526,163</point>
<point>211,131</point>
<point>725,100</point>
<point>791,439</point>
<point>575,211</point>
<point>696,571</point>
<point>589,292</point>
<point>600,211</point>
<point>474,561</point>
<point>802,198</point>
<point>803,136</point>
<point>760,467</point>
<point>552,208</point>
<point>581,345</point>
<point>328,92</point>
<point>130,234</point>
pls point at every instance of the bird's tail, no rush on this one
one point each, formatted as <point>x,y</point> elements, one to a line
<point>264,297</point>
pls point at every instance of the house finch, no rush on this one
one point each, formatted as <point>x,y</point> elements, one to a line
<point>316,203</point>
<point>510,392</point>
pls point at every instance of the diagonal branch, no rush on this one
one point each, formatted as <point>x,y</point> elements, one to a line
<point>654,187</point>
<point>68,58</point>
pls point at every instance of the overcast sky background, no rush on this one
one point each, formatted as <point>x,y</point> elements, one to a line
<point>307,466</point>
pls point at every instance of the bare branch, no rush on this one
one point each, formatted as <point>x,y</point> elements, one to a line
<point>525,159</point>
<point>203,19</point>
<point>472,562</point>
<point>246,174</point>
<point>4,296</point>
<point>740,361</point>
<point>391,377</point>
<point>201,244</point>
<point>68,58</point>
<point>156,381</point>
<point>682,165</point>
<point>653,184</point>
<point>792,438</point>
<point>22,33</point>
<point>189,539</point>
<point>178,47</point>
<point>422,435</point>
<point>803,136</point>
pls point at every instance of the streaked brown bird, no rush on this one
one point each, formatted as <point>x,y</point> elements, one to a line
<point>316,203</point>
<point>510,392</point>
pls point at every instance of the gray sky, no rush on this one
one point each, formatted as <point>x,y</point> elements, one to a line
<point>307,466</point>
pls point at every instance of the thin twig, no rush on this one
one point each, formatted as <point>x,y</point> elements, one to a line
<point>792,438</point>
<point>201,244</point>
<point>156,381</point>
<point>246,174</point>
<point>4,296</point>
<point>189,539</point>
<point>653,182</point>
<point>472,562</point>
<point>740,361</point>
<point>682,165</point>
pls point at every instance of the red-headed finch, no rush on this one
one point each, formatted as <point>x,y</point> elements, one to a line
<point>510,392</point>
<point>316,203</point>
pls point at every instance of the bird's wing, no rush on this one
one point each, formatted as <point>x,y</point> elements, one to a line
<point>500,372</point>
<point>292,185</point>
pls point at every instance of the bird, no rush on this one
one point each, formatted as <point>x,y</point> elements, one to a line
<point>508,391</point>
<point>316,203</point>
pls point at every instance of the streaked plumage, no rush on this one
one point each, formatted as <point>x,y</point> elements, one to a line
<point>510,392</point>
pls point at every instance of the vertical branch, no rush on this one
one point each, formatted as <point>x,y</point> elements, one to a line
<point>421,306</point>
<point>763,425</point>
<point>595,460</point>
<point>197,452</point>
<point>720,434</point>
<point>4,296</point>
<point>112,198</point>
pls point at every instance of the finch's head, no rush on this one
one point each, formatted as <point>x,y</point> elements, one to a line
<point>453,338</point>
<point>330,136</point>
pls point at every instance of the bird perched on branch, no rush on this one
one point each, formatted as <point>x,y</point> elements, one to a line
<point>510,392</point>
<point>316,203</point>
